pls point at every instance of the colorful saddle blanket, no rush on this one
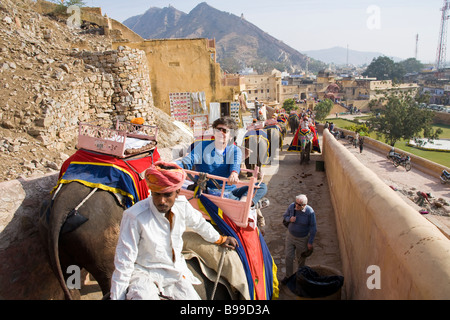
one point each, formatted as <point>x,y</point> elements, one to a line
<point>259,266</point>
<point>295,147</point>
<point>108,173</point>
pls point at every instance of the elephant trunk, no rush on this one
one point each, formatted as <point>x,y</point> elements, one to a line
<point>57,219</point>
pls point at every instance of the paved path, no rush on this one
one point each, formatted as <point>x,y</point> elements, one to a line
<point>290,180</point>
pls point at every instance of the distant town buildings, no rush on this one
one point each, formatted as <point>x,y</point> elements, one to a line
<point>342,88</point>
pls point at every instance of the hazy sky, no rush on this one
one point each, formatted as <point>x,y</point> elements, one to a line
<point>386,26</point>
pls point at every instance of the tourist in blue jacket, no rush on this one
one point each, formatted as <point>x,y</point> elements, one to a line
<point>300,235</point>
<point>221,157</point>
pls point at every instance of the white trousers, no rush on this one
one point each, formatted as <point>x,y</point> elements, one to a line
<point>144,287</point>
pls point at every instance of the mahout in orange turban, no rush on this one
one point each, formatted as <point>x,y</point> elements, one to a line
<point>164,177</point>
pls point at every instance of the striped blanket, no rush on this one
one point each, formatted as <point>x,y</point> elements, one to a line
<point>108,173</point>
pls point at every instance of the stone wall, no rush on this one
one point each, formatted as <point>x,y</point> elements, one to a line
<point>121,88</point>
<point>182,65</point>
<point>378,232</point>
<point>442,118</point>
<point>116,85</point>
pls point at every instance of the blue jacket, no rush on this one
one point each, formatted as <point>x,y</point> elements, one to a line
<point>304,224</point>
<point>203,158</point>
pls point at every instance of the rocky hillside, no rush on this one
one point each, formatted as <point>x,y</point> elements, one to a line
<point>40,74</point>
<point>239,43</point>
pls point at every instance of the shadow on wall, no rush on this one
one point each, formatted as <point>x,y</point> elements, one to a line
<point>25,273</point>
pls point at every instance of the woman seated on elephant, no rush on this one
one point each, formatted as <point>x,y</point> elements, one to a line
<point>221,157</point>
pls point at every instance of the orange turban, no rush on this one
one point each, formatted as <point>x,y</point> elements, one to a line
<point>164,177</point>
<point>137,121</point>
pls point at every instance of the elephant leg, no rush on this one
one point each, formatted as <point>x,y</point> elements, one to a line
<point>104,281</point>
<point>308,152</point>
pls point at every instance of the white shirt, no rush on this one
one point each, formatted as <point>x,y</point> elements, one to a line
<point>145,244</point>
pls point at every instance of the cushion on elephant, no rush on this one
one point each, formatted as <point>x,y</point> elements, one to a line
<point>209,253</point>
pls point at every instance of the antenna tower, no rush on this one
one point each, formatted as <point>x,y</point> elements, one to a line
<point>442,44</point>
<point>417,45</point>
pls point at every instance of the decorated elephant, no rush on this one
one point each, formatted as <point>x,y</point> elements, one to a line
<point>87,238</point>
<point>275,134</point>
<point>256,142</point>
<point>80,225</point>
<point>305,137</point>
<point>302,142</point>
<point>294,121</point>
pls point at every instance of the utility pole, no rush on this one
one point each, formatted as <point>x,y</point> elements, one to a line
<point>442,42</point>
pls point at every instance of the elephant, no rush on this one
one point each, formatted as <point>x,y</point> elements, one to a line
<point>305,137</point>
<point>275,137</point>
<point>88,238</point>
<point>294,122</point>
<point>92,244</point>
<point>256,141</point>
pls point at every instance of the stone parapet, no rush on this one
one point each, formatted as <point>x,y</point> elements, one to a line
<point>388,250</point>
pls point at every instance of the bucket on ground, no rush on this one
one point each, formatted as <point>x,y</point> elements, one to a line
<point>315,283</point>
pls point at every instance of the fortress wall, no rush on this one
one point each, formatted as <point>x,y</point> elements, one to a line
<point>380,235</point>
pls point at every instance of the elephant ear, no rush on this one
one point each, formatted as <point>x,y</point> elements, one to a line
<point>73,221</point>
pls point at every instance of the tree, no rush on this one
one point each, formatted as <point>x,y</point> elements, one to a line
<point>411,65</point>
<point>401,118</point>
<point>384,68</point>
<point>289,104</point>
<point>323,109</point>
<point>63,5</point>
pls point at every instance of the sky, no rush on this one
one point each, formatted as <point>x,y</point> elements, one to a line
<point>386,26</point>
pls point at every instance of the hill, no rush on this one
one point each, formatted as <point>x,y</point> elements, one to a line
<point>239,43</point>
<point>338,56</point>
<point>42,75</point>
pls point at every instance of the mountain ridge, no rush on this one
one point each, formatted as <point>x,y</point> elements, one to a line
<point>338,56</point>
<point>239,43</point>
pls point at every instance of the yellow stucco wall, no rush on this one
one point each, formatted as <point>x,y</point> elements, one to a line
<point>377,228</point>
<point>181,65</point>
